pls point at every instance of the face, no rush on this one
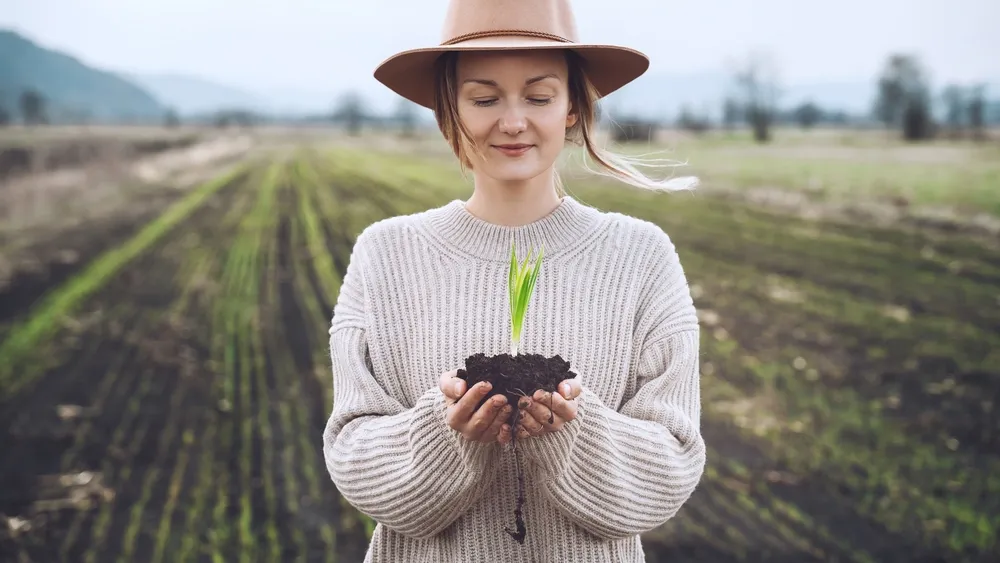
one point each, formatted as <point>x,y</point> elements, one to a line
<point>516,106</point>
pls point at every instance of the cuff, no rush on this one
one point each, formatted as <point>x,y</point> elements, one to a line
<point>552,452</point>
<point>475,455</point>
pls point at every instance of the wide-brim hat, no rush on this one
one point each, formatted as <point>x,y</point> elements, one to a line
<point>500,25</point>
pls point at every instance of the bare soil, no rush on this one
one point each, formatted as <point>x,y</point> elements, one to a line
<point>515,377</point>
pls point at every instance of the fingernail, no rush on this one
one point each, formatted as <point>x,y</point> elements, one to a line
<point>458,386</point>
<point>486,386</point>
<point>565,391</point>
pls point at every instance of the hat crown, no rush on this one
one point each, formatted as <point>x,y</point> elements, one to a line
<point>470,19</point>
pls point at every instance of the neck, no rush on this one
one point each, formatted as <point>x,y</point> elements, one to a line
<point>513,203</point>
<point>568,226</point>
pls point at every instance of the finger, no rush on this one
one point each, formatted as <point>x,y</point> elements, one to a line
<point>530,416</point>
<point>451,385</point>
<point>561,410</point>
<point>504,436</point>
<point>485,416</point>
<point>531,423</point>
<point>493,432</point>
<point>548,419</point>
<point>515,427</point>
<point>465,408</point>
<point>570,388</point>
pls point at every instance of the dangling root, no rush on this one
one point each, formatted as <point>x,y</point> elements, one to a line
<point>519,520</point>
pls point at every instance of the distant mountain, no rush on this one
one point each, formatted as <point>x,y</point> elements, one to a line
<point>193,95</point>
<point>300,101</point>
<point>71,88</point>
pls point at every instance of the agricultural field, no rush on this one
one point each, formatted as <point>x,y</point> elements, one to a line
<point>164,401</point>
<point>26,150</point>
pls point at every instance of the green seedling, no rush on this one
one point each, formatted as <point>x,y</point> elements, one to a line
<point>520,283</point>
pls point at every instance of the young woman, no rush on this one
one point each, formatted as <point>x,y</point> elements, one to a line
<point>405,443</point>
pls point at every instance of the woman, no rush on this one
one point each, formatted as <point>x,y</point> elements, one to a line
<point>405,443</point>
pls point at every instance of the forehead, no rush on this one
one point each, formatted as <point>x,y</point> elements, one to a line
<point>497,65</point>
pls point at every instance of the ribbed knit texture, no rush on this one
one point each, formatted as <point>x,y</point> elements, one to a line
<point>423,292</point>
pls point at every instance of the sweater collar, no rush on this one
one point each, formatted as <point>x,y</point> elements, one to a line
<point>566,226</point>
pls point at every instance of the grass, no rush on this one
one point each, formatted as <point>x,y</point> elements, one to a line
<point>840,167</point>
<point>22,339</point>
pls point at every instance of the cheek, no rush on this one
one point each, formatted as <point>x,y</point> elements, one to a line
<point>552,124</point>
<point>477,122</point>
<point>552,134</point>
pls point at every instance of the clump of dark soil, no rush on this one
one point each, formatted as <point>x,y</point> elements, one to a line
<point>516,377</point>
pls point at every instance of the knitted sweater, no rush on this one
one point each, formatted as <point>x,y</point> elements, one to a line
<point>424,291</point>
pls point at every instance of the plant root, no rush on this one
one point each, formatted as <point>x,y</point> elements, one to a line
<point>510,376</point>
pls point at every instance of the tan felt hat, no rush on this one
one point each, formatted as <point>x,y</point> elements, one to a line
<point>494,25</point>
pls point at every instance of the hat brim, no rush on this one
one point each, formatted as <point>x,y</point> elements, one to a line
<point>410,73</point>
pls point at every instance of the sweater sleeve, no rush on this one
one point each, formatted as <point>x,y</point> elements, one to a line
<point>403,467</point>
<point>623,472</point>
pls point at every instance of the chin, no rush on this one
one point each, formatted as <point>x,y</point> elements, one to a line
<point>514,176</point>
<point>516,172</point>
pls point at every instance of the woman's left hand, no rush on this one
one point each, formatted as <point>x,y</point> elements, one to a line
<point>535,416</point>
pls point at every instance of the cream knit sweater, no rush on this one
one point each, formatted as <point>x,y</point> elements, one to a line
<point>424,291</point>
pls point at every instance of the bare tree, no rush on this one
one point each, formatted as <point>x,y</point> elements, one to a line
<point>170,119</point>
<point>807,115</point>
<point>977,111</point>
<point>32,107</point>
<point>239,118</point>
<point>757,83</point>
<point>688,121</point>
<point>351,112</point>
<point>954,101</point>
<point>731,113</point>
<point>903,97</point>
<point>406,117</point>
<point>633,129</point>
<point>891,95</point>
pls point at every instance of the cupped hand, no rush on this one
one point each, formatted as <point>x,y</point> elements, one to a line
<point>535,417</point>
<point>485,424</point>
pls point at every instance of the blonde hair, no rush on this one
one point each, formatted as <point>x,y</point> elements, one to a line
<point>583,97</point>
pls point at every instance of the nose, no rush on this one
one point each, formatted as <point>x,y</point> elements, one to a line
<point>512,121</point>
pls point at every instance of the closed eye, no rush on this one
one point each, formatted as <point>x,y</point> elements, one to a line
<point>491,101</point>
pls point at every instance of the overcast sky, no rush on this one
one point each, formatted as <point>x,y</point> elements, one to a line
<point>333,44</point>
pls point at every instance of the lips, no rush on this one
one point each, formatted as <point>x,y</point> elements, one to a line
<point>513,149</point>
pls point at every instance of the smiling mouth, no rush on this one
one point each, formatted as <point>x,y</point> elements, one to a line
<point>512,149</point>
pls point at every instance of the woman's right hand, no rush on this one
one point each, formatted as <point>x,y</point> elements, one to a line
<point>488,424</point>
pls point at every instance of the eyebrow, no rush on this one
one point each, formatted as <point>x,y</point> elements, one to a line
<point>527,82</point>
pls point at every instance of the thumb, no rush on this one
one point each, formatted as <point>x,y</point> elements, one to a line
<point>451,385</point>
